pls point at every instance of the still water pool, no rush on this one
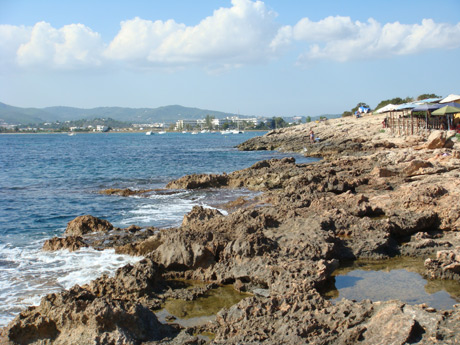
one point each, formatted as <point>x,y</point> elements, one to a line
<point>397,278</point>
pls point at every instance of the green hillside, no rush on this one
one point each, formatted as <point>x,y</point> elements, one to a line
<point>168,114</point>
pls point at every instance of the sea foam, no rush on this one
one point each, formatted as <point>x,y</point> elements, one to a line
<point>27,274</point>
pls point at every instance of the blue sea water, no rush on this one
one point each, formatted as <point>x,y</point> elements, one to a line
<point>46,180</point>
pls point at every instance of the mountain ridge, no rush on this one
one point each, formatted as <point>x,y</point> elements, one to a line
<point>170,113</point>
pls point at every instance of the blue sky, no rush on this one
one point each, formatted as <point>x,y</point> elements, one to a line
<point>265,58</point>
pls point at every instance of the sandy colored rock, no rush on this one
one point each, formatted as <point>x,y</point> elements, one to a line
<point>85,224</point>
<point>436,140</point>
<point>70,243</point>
<point>375,195</point>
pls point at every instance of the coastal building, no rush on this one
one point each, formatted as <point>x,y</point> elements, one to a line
<point>102,128</point>
<point>216,123</point>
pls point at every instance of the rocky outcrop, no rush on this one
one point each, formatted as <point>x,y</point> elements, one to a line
<point>199,215</point>
<point>107,311</point>
<point>86,224</point>
<point>445,266</point>
<point>124,192</point>
<point>373,197</point>
<point>70,243</point>
<point>197,181</point>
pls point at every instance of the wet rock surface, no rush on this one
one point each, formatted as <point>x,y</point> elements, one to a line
<point>374,197</point>
<point>124,192</point>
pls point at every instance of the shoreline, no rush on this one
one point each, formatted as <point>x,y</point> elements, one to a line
<point>374,196</point>
<point>124,132</point>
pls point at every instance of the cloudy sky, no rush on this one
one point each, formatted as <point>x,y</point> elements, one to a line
<point>267,58</point>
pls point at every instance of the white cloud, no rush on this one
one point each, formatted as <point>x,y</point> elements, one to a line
<point>231,36</point>
<point>11,38</point>
<point>72,46</point>
<point>340,39</point>
<point>138,37</point>
<point>245,33</point>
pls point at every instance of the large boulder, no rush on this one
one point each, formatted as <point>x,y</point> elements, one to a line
<point>107,311</point>
<point>83,225</point>
<point>79,317</point>
<point>436,140</point>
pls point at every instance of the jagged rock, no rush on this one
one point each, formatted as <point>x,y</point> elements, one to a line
<point>197,181</point>
<point>86,224</point>
<point>247,247</point>
<point>436,140</point>
<point>139,248</point>
<point>199,214</point>
<point>391,325</point>
<point>107,311</point>
<point>77,317</point>
<point>71,243</point>
<point>131,282</point>
<point>282,247</point>
<point>445,266</point>
<point>124,192</point>
<point>408,223</point>
<point>179,253</point>
<point>415,166</point>
<point>383,172</point>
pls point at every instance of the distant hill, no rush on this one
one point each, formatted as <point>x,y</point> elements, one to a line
<point>167,114</point>
<point>15,115</point>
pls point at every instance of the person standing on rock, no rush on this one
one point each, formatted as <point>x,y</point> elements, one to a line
<point>312,136</point>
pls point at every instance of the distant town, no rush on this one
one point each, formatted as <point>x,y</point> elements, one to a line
<point>209,123</point>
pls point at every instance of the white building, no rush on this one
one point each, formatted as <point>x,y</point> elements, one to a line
<point>102,128</point>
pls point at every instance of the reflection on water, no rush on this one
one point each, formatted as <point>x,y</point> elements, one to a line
<point>202,309</point>
<point>398,278</point>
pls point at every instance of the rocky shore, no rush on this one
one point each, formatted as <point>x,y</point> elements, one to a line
<point>373,196</point>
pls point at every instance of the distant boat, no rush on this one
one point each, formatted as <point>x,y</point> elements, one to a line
<point>161,132</point>
<point>194,132</point>
<point>148,133</point>
<point>71,133</point>
<point>205,131</point>
<point>236,131</point>
<point>225,132</point>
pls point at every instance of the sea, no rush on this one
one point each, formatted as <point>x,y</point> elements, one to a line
<point>46,180</point>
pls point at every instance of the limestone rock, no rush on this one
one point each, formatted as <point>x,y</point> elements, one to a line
<point>199,214</point>
<point>180,254</point>
<point>86,224</point>
<point>124,192</point>
<point>445,266</point>
<point>71,243</point>
<point>436,140</point>
<point>390,325</point>
<point>415,166</point>
<point>197,181</point>
<point>108,311</point>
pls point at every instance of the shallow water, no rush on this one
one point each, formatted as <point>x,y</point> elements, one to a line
<point>202,309</point>
<point>397,278</point>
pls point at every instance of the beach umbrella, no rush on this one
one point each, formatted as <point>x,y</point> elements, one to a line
<point>448,109</point>
<point>445,111</point>
<point>427,107</point>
